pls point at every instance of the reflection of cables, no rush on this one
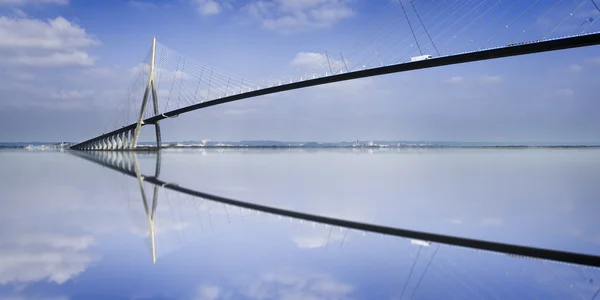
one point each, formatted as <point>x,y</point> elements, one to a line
<point>593,2</point>
<point>596,294</point>
<point>344,238</point>
<point>424,272</point>
<point>410,273</point>
<point>328,237</point>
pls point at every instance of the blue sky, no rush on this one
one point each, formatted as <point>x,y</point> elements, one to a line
<point>67,66</point>
<point>82,232</point>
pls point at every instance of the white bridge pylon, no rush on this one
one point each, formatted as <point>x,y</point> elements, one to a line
<point>150,89</point>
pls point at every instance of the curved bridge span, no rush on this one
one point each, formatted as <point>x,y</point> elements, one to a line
<point>126,137</point>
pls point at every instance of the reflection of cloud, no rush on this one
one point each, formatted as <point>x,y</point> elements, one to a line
<point>280,284</point>
<point>492,222</point>
<point>207,292</point>
<point>29,257</point>
<point>455,79</point>
<point>32,297</point>
<point>575,67</point>
<point>318,238</point>
<point>288,284</point>
<point>492,79</point>
<point>456,221</point>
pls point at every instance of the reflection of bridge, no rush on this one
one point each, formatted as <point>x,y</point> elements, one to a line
<point>214,88</point>
<point>127,163</point>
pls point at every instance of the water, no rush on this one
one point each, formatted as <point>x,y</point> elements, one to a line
<point>74,229</point>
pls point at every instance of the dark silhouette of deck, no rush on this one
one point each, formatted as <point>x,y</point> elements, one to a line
<point>460,58</point>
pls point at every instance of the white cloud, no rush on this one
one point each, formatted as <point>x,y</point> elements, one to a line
<point>564,93</point>
<point>38,43</point>
<point>310,61</point>
<point>208,7</point>
<point>293,15</point>
<point>67,59</point>
<point>492,79</point>
<point>71,94</point>
<point>56,34</point>
<point>142,4</point>
<point>243,111</point>
<point>27,2</point>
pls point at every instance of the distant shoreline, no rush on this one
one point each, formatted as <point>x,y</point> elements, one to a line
<point>153,148</point>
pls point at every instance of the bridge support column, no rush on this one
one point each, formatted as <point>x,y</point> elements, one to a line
<point>119,141</point>
<point>150,89</point>
<point>126,140</point>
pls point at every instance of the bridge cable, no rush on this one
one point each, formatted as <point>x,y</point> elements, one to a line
<point>327,56</point>
<point>424,27</point>
<point>593,2</point>
<point>446,28</point>
<point>387,31</point>
<point>434,27</point>
<point>410,26</point>
<point>389,48</point>
<point>448,16</point>
<point>510,23</point>
<point>538,18</point>
<point>591,23</point>
<point>172,84</point>
<point>473,22</point>
<point>410,273</point>
<point>198,86</point>
<point>359,45</point>
<point>424,272</point>
<point>462,18</point>
<point>181,81</point>
<point>498,17</point>
<point>567,17</point>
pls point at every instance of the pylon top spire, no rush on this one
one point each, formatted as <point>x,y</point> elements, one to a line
<point>152,58</point>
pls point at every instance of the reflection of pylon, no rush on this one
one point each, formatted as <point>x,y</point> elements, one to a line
<point>150,87</point>
<point>150,212</point>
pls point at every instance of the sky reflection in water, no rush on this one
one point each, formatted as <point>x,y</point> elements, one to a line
<point>74,230</point>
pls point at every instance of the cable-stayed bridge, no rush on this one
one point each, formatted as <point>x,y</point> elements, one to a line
<point>407,35</point>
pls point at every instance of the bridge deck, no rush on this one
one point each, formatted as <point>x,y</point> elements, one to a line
<point>454,59</point>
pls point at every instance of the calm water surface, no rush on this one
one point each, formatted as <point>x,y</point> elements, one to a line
<point>72,229</point>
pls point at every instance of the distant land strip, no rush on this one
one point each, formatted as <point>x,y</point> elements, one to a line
<point>147,148</point>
